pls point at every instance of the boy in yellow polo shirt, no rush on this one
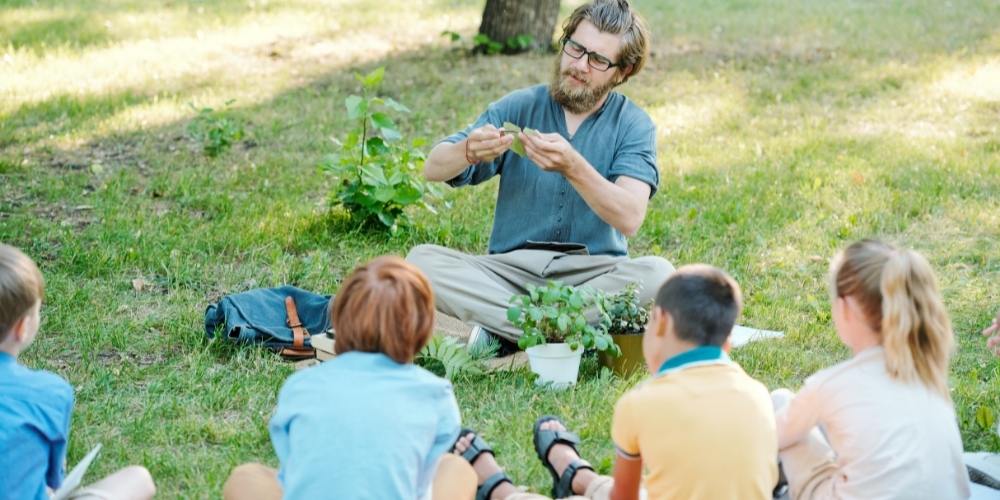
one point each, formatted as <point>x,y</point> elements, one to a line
<point>700,427</point>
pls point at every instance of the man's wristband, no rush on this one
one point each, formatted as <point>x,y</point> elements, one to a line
<point>471,158</point>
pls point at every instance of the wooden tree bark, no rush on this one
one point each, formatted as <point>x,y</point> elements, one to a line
<point>504,20</point>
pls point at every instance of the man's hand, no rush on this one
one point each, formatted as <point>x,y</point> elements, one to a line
<point>993,332</point>
<point>551,152</point>
<point>486,143</point>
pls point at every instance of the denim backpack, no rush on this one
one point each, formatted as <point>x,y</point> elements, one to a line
<point>280,318</point>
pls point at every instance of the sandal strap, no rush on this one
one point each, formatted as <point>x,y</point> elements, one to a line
<point>484,490</point>
<point>548,439</point>
<point>565,487</point>
<point>477,447</point>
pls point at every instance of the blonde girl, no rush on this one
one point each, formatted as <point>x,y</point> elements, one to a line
<point>880,425</point>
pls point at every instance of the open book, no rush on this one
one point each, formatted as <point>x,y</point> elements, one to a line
<point>75,476</point>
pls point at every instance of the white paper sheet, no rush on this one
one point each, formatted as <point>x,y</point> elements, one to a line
<point>75,477</point>
<point>743,335</point>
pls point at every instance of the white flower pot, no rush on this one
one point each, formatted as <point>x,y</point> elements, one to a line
<point>555,364</point>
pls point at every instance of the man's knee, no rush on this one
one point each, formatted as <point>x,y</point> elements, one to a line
<point>651,271</point>
<point>426,257</point>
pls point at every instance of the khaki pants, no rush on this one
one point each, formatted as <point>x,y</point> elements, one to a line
<point>809,464</point>
<point>477,288</point>
<point>454,480</point>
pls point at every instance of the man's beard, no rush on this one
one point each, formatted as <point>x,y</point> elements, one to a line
<point>577,99</point>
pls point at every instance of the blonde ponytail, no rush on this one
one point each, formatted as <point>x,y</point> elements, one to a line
<point>899,295</point>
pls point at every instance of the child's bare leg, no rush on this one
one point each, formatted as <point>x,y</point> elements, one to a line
<point>809,464</point>
<point>455,479</point>
<point>252,481</point>
<point>131,483</point>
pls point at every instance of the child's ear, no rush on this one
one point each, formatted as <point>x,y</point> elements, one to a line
<point>665,324</point>
<point>19,330</point>
<point>727,346</point>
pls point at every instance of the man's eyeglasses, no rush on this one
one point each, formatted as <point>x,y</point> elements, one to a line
<point>595,60</point>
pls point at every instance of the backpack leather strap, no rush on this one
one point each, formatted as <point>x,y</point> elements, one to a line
<point>298,350</point>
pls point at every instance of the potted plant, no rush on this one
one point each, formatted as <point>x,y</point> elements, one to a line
<point>555,329</point>
<point>627,322</point>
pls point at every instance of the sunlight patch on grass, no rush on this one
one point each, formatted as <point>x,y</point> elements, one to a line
<point>698,110</point>
<point>293,42</point>
<point>973,81</point>
<point>942,107</point>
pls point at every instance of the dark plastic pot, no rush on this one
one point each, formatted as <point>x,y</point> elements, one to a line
<point>631,358</point>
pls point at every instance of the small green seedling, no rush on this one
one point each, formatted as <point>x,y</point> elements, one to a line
<point>517,146</point>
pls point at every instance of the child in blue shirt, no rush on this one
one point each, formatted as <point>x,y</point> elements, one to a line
<point>35,405</point>
<point>368,424</point>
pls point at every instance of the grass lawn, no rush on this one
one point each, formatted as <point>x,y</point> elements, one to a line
<point>786,130</point>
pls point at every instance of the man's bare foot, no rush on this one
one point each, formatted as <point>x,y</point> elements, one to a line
<point>485,466</point>
<point>561,455</point>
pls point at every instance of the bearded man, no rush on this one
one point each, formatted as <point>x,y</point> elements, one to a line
<point>565,208</point>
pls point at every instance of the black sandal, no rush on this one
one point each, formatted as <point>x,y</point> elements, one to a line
<point>562,485</point>
<point>477,447</point>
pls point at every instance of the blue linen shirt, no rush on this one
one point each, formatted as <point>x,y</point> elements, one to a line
<point>362,426</point>
<point>35,409</point>
<point>534,205</point>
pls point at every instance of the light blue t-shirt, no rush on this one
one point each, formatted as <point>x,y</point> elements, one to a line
<point>362,426</point>
<point>35,408</point>
<point>534,205</point>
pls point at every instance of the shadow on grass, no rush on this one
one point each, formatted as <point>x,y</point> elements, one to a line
<point>260,217</point>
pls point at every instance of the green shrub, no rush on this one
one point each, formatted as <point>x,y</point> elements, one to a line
<point>215,130</point>
<point>626,314</point>
<point>556,313</point>
<point>377,174</point>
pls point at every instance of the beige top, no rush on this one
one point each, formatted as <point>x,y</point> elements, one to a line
<point>893,440</point>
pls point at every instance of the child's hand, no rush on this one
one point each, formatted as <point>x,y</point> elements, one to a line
<point>993,332</point>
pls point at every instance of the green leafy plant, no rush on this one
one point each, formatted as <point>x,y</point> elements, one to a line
<point>626,314</point>
<point>556,312</point>
<point>445,357</point>
<point>377,173</point>
<point>483,44</point>
<point>215,130</point>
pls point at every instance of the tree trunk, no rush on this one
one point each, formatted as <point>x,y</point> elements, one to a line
<point>505,20</point>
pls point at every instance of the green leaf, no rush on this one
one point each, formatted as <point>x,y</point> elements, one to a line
<point>601,343</point>
<point>513,313</point>
<point>576,301</point>
<point>396,106</point>
<point>376,146</point>
<point>385,193</point>
<point>563,322</point>
<point>535,314</point>
<point>356,106</point>
<point>448,356</point>
<point>372,174</point>
<point>388,220</point>
<point>391,134</point>
<point>374,79</point>
<point>407,195</point>
<point>985,417</point>
<point>382,121</point>
<point>480,39</point>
